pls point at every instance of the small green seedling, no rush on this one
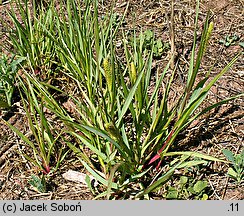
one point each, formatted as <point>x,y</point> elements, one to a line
<point>241,44</point>
<point>39,184</point>
<point>237,161</point>
<point>186,187</point>
<point>229,40</point>
<point>158,46</point>
<point>8,71</point>
<point>148,36</point>
<point>145,39</point>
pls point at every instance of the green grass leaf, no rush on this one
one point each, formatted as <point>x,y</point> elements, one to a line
<point>229,155</point>
<point>200,186</point>
<point>195,154</point>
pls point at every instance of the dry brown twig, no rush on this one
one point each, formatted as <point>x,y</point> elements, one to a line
<point>172,35</point>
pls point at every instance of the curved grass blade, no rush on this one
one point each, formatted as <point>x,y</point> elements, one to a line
<point>97,176</point>
<point>163,179</point>
<point>195,154</point>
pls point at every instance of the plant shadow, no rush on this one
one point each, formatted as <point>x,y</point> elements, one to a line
<point>207,128</point>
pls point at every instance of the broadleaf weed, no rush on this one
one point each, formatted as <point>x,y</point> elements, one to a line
<point>8,71</point>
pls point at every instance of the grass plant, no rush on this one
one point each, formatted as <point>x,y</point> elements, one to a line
<point>28,37</point>
<point>43,138</point>
<point>123,127</point>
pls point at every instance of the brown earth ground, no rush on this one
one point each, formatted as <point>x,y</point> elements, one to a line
<point>222,128</point>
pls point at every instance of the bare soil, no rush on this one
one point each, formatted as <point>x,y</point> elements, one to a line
<point>222,128</point>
